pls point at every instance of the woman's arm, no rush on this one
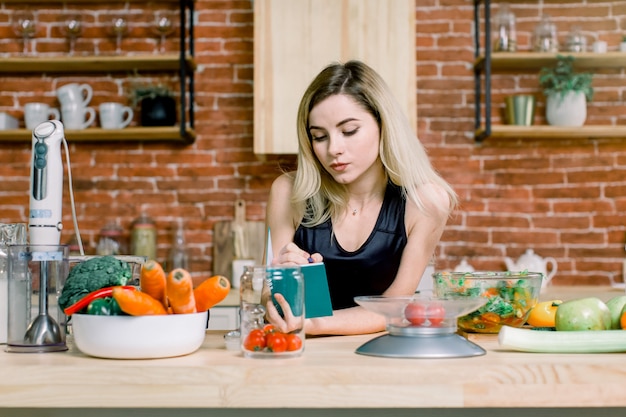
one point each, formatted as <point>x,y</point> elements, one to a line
<point>281,222</point>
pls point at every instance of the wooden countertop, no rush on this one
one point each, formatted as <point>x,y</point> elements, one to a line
<point>328,375</point>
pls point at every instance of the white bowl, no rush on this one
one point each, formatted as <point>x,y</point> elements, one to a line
<point>139,337</point>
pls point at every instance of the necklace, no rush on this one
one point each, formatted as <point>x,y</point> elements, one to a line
<point>356,211</point>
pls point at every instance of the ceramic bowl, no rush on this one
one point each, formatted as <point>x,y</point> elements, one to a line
<point>139,337</point>
<point>510,297</point>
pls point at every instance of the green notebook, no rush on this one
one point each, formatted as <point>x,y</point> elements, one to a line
<point>316,294</point>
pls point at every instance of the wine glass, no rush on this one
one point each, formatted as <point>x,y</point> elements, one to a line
<point>24,25</point>
<point>119,26</point>
<point>163,26</point>
<point>73,28</point>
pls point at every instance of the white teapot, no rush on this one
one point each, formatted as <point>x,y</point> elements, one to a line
<point>533,263</point>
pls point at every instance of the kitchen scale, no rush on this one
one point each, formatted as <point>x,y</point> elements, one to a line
<point>420,326</point>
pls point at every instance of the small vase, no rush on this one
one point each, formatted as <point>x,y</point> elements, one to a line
<point>569,110</point>
<point>158,111</point>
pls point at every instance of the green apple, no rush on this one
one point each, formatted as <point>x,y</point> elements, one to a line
<point>583,314</point>
<point>616,306</point>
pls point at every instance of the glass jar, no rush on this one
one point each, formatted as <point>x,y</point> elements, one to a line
<point>143,237</point>
<point>544,36</point>
<point>111,240</point>
<point>504,30</point>
<point>258,285</point>
<point>576,41</point>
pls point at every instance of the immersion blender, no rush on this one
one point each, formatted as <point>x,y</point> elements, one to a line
<point>45,216</point>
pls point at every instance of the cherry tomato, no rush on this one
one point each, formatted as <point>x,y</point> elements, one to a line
<point>269,328</point>
<point>436,314</point>
<point>255,341</point>
<point>276,342</point>
<point>293,342</point>
<point>415,313</point>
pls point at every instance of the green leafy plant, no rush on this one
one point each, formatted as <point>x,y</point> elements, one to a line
<point>561,79</point>
<point>139,92</point>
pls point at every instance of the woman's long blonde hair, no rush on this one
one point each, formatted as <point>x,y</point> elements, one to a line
<point>316,194</point>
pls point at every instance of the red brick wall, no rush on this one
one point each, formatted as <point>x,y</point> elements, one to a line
<point>562,197</point>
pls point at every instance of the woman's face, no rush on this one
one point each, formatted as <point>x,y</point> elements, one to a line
<point>345,138</point>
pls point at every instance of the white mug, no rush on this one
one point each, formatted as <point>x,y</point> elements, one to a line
<point>76,117</point>
<point>37,113</point>
<point>74,93</point>
<point>115,115</point>
<point>599,47</point>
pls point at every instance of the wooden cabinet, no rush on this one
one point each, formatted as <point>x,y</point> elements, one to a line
<point>487,62</point>
<point>294,40</point>
<point>182,63</point>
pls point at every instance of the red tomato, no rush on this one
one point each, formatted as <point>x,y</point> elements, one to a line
<point>255,341</point>
<point>276,342</point>
<point>436,314</point>
<point>415,313</point>
<point>293,342</point>
<point>269,328</point>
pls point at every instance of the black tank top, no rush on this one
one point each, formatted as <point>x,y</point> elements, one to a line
<point>369,270</point>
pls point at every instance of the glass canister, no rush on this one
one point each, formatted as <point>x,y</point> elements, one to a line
<point>144,237</point>
<point>10,234</point>
<point>576,41</point>
<point>544,36</point>
<point>504,30</point>
<point>37,274</point>
<point>281,289</point>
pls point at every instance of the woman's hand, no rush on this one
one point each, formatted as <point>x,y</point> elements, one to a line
<point>291,254</point>
<point>288,322</point>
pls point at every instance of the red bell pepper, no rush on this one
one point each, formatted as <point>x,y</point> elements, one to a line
<point>86,300</point>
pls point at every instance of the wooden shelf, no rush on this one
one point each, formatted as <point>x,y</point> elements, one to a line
<point>166,62</point>
<point>554,132</point>
<point>524,61</point>
<point>145,134</point>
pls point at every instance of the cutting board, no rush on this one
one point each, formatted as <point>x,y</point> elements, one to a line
<point>237,237</point>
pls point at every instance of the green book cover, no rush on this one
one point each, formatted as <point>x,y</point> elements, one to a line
<point>316,294</point>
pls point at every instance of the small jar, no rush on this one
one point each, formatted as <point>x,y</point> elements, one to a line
<point>504,29</point>
<point>576,41</point>
<point>143,237</point>
<point>544,36</point>
<point>111,240</point>
<point>258,338</point>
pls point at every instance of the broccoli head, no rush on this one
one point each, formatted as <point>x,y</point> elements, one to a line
<point>91,275</point>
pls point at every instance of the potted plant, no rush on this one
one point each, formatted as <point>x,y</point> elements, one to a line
<point>566,91</point>
<point>156,103</point>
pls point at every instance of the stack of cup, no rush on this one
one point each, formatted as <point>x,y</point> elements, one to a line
<point>74,99</point>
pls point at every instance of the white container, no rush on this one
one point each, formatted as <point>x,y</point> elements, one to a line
<point>139,337</point>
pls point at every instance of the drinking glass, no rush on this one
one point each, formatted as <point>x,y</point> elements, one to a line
<point>163,26</point>
<point>73,28</point>
<point>119,27</point>
<point>24,25</point>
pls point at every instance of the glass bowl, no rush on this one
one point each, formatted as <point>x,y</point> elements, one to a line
<point>420,314</point>
<point>509,297</point>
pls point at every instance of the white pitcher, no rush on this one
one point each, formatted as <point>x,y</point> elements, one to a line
<point>534,263</point>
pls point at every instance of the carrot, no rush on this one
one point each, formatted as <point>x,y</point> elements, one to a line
<point>152,280</point>
<point>211,291</point>
<point>179,290</point>
<point>137,303</point>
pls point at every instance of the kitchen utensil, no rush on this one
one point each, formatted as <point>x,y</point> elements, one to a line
<point>10,234</point>
<point>509,297</point>
<point>232,239</point>
<point>530,261</point>
<point>44,330</point>
<point>139,337</point>
<point>423,336</point>
<point>46,195</point>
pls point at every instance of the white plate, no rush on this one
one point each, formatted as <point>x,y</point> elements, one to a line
<point>139,337</point>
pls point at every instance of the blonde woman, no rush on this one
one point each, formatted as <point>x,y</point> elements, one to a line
<point>364,199</point>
